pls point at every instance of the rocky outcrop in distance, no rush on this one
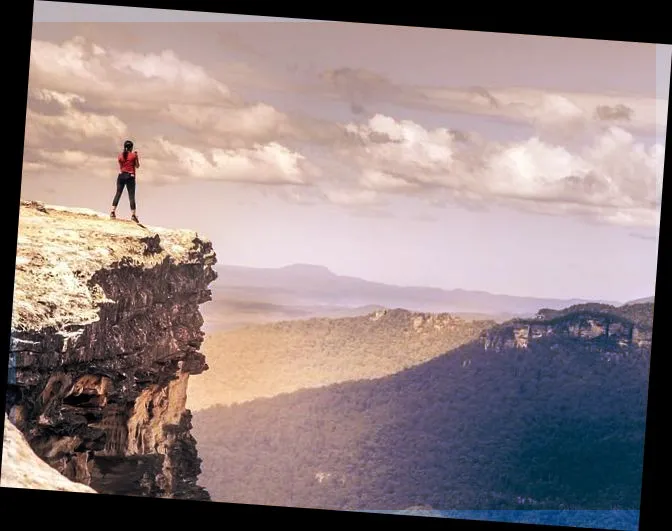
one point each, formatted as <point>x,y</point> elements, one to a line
<point>613,330</point>
<point>106,331</point>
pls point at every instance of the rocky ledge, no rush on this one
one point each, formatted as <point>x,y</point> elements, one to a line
<point>106,330</point>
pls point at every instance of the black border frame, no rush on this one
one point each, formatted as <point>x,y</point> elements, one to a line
<point>602,25</point>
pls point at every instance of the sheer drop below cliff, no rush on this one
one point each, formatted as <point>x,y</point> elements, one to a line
<point>106,330</point>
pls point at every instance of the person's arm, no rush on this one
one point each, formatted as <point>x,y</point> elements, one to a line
<point>137,160</point>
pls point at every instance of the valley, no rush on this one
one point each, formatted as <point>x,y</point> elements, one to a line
<point>393,408</point>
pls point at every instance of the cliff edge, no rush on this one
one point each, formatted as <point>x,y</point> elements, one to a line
<point>106,330</point>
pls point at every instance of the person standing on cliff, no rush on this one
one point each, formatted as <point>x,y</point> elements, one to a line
<point>128,163</point>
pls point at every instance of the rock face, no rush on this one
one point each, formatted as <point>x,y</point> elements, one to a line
<point>612,330</point>
<point>22,469</point>
<point>106,330</point>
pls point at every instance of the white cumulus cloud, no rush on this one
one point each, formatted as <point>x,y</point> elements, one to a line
<point>85,99</point>
<point>121,78</point>
<point>262,164</point>
<point>70,127</point>
<point>615,179</point>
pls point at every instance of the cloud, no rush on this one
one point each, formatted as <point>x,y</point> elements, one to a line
<point>30,166</point>
<point>52,120</point>
<point>69,162</point>
<point>361,88</point>
<point>249,124</point>
<point>373,179</point>
<point>614,112</point>
<point>270,164</point>
<point>120,78</point>
<point>73,141</point>
<point>615,180</point>
<point>79,88</point>
<point>85,99</point>
<point>392,148</point>
<point>229,125</point>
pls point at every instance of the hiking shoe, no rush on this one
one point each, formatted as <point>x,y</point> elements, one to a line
<point>135,218</point>
<point>112,215</point>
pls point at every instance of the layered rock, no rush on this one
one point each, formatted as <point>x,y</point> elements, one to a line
<point>106,330</point>
<point>614,330</point>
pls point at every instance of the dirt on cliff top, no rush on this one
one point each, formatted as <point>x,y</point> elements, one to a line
<point>23,469</point>
<point>59,249</point>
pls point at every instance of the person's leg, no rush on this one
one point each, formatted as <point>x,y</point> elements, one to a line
<point>130,186</point>
<point>120,188</point>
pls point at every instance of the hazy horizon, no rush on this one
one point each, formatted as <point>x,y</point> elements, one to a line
<point>510,164</point>
<point>328,270</point>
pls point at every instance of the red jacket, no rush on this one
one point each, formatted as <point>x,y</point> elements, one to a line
<point>128,165</point>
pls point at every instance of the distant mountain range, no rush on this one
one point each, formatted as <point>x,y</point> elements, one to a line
<point>313,287</point>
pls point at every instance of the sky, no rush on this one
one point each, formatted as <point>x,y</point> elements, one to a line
<point>514,164</point>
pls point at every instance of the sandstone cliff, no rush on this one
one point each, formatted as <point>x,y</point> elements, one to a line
<point>106,330</point>
<point>612,331</point>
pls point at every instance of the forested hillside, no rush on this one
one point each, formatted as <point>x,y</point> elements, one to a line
<point>266,360</point>
<point>559,423</point>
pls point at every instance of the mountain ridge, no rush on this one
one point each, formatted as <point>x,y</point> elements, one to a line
<point>306,283</point>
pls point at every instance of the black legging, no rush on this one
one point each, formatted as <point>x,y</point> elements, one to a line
<point>127,180</point>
